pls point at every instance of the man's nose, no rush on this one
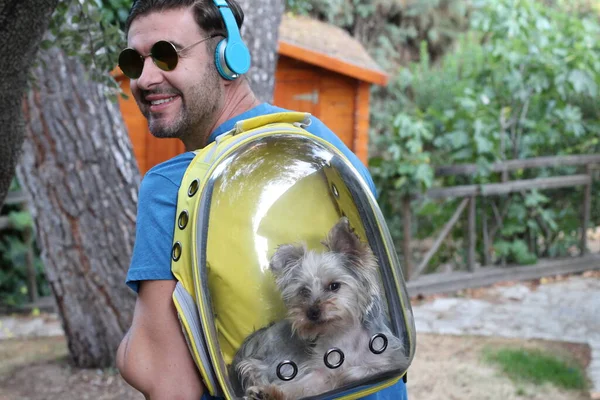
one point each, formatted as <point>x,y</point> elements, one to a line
<point>151,75</point>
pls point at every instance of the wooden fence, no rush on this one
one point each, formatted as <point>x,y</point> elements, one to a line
<point>19,198</point>
<point>470,195</point>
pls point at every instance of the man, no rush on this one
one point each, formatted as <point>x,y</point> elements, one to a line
<point>183,95</point>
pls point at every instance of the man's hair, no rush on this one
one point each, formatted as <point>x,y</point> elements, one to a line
<point>207,15</point>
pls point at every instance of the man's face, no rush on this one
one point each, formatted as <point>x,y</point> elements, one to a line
<point>183,102</point>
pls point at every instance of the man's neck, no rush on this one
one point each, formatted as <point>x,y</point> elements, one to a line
<point>238,100</point>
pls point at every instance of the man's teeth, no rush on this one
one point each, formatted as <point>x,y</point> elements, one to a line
<point>162,101</point>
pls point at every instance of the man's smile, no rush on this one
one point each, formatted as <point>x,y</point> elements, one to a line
<point>160,102</point>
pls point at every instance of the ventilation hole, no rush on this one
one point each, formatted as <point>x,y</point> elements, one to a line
<point>378,343</point>
<point>334,189</point>
<point>193,187</point>
<point>183,219</point>
<point>333,358</point>
<point>176,251</point>
<point>287,370</point>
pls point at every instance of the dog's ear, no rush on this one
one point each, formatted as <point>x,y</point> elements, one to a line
<point>342,239</point>
<point>285,257</point>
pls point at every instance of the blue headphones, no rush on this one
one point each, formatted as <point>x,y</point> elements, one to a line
<point>232,57</point>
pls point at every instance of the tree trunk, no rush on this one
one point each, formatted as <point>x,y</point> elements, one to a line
<point>22,25</point>
<point>261,32</point>
<point>79,170</point>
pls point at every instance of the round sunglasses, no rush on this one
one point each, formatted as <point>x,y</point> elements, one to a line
<point>164,55</point>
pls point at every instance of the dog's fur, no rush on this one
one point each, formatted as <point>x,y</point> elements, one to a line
<point>333,300</point>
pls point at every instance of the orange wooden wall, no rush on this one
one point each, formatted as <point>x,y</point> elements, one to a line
<point>341,102</point>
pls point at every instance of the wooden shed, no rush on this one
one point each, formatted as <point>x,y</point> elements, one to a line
<point>321,69</point>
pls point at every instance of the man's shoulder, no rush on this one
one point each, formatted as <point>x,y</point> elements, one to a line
<point>172,169</point>
<point>160,184</point>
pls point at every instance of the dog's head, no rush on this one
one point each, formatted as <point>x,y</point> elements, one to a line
<point>328,291</point>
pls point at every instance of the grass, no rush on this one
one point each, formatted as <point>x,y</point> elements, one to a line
<point>538,367</point>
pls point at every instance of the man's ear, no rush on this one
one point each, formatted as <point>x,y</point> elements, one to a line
<point>285,258</point>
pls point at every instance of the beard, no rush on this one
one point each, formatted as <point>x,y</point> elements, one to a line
<point>197,110</point>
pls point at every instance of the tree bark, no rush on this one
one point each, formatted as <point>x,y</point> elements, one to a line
<point>261,33</point>
<point>79,170</point>
<point>22,25</point>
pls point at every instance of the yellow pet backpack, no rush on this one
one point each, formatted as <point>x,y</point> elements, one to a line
<point>288,285</point>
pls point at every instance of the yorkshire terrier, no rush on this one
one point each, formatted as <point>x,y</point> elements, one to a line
<point>327,340</point>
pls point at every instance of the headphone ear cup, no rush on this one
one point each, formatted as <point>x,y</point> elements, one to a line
<point>220,62</point>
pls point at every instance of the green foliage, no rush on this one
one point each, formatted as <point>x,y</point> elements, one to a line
<point>114,12</point>
<point>91,30</point>
<point>538,367</point>
<point>522,82</point>
<point>14,248</point>
<point>299,7</point>
<point>13,273</point>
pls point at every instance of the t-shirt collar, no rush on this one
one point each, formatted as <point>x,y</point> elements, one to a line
<point>261,109</point>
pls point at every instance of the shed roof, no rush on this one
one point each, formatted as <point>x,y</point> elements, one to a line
<point>327,46</point>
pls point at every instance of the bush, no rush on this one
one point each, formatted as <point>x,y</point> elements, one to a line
<point>13,258</point>
<point>522,82</point>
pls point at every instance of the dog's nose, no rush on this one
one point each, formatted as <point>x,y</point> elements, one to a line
<point>313,313</point>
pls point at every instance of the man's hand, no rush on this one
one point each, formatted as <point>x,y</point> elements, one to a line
<point>153,356</point>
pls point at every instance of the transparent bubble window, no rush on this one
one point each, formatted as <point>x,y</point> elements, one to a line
<point>302,289</point>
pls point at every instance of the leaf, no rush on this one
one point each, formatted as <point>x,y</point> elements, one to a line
<point>400,182</point>
<point>459,139</point>
<point>548,218</point>
<point>535,198</point>
<point>46,44</point>
<point>424,174</point>
<point>20,220</point>
<point>521,253</point>
<point>428,208</point>
<point>512,228</point>
<point>542,24</point>
<point>583,83</point>
<point>483,144</point>
<point>414,146</point>
<point>502,247</point>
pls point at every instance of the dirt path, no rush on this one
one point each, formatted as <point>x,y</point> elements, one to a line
<point>38,369</point>
<point>445,368</point>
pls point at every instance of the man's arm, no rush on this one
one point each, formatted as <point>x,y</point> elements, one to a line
<point>153,356</point>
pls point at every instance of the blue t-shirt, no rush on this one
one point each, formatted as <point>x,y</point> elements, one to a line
<point>157,206</point>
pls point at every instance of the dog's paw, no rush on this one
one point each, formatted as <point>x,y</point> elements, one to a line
<point>255,393</point>
<point>270,392</point>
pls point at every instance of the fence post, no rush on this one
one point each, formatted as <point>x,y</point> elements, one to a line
<point>587,204</point>
<point>407,237</point>
<point>471,237</point>
<point>504,180</point>
<point>32,287</point>
<point>486,236</point>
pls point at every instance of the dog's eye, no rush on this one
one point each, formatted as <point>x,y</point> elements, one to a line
<point>305,292</point>
<point>334,286</point>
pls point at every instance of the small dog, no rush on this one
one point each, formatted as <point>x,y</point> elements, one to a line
<point>334,302</point>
